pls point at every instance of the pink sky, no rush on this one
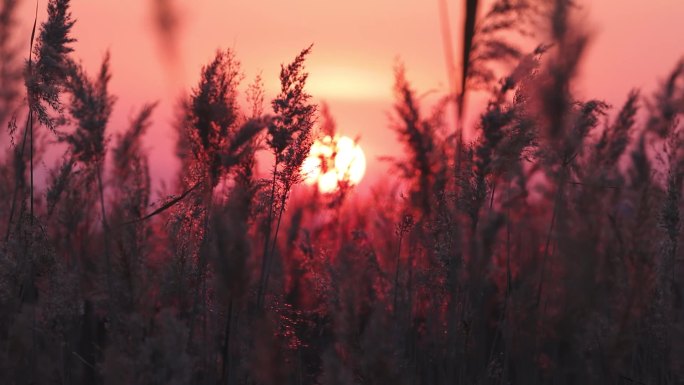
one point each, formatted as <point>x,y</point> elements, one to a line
<point>356,43</point>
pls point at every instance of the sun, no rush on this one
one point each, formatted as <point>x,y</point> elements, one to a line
<point>332,162</point>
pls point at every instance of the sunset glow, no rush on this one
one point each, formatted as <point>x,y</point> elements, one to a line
<point>184,196</point>
<point>333,161</point>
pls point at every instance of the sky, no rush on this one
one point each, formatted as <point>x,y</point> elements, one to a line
<point>356,45</point>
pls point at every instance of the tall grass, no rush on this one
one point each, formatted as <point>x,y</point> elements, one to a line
<point>545,250</point>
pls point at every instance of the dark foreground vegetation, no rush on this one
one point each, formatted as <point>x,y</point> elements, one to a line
<point>544,252</point>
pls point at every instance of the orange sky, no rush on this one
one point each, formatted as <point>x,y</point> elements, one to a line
<point>356,43</point>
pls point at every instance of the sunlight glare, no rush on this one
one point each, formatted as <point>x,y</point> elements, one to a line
<point>333,160</point>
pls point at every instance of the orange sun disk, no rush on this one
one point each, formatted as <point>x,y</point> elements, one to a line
<point>334,161</point>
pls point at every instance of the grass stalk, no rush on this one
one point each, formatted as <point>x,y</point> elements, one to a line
<point>105,237</point>
<point>396,273</point>
<point>265,263</point>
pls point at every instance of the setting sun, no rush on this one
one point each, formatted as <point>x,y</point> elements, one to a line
<point>333,161</point>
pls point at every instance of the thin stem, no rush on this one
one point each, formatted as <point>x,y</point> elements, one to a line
<point>491,199</point>
<point>273,245</point>
<point>504,308</point>
<point>396,272</point>
<point>105,236</point>
<point>508,254</point>
<point>409,285</point>
<point>559,195</point>
<point>165,206</point>
<point>30,120</point>
<point>31,149</point>
<point>201,269</point>
<point>267,239</point>
<point>226,342</point>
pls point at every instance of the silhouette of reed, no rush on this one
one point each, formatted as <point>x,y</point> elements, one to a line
<point>546,250</point>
